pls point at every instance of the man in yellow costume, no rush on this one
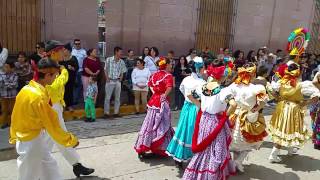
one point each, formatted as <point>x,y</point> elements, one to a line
<point>32,119</point>
<point>54,50</point>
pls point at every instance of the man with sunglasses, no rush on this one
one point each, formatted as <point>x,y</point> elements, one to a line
<point>80,54</point>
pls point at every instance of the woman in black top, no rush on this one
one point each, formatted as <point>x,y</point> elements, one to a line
<point>39,54</point>
<point>71,64</point>
<point>181,71</point>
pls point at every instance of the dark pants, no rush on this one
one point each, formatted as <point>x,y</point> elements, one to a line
<point>68,94</point>
<point>77,94</point>
<point>179,98</point>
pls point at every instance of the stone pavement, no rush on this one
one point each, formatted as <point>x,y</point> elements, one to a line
<point>108,147</point>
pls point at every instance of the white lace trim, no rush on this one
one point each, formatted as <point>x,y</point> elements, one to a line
<point>160,80</point>
<point>177,159</point>
<point>180,142</point>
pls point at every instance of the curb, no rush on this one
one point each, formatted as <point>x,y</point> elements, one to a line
<point>78,114</point>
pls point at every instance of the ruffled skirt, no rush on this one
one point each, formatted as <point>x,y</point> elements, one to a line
<point>287,126</point>
<point>180,145</point>
<point>214,162</point>
<point>156,131</point>
<point>247,135</point>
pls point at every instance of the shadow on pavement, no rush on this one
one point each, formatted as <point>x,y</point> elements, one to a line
<point>267,144</point>
<point>301,163</point>
<point>155,160</point>
<point>90,178</point>
<point>254,171</point>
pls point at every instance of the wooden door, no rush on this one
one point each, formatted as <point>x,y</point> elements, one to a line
<point>215,24</point>
<point>20,25</point>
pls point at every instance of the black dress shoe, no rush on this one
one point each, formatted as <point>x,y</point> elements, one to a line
<point>179,164</point>
<point>87,120</point>
<point>79,169</point>
<point>142,156</point>
<point>107,116</point>
<point>116,115</point>
<point>93,120</point>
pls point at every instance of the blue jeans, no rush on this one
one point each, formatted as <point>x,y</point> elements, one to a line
<point>77,94</point>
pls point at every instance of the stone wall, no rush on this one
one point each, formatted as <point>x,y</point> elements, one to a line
<point>269,22</point>
<point>166,24</point>
<point>66,20</point>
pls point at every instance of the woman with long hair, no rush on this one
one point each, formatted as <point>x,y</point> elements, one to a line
<point>145,52</point>
<point>181,70</point>
<point>239,58</point>
<point>152,59</point>
<point>156,131</point>
<point>251,56</point>
<point>70,62</point>
<point>261,56</point>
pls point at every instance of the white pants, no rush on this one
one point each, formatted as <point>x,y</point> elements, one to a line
<point>35,160</point>
<point>70,154</point>
<point>112,87</point>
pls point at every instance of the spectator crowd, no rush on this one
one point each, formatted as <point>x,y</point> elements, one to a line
<point>91,79</point>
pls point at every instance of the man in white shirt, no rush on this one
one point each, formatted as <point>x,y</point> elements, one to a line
<point>80,54</point>
<point>3,56</point>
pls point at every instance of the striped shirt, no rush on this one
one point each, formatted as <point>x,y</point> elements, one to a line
<point>115,68</point>
<point>8,85</point>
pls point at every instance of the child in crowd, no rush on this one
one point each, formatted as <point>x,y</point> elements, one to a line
<point>23,69</point>
<point>90,100</point>
<point>8,92</point>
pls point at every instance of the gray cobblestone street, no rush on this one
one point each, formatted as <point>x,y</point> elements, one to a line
<point>107,145</point>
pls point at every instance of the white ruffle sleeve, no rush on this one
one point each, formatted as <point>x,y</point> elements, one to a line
<point>308,89</point>
<point>261,93</point>
<point>275,86</point>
